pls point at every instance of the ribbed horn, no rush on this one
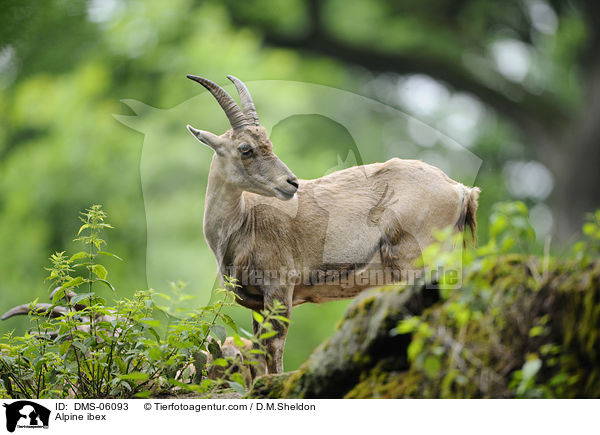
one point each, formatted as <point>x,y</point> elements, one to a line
<point>39,308</point>
<point>234,114</point>
<point>247,103</point>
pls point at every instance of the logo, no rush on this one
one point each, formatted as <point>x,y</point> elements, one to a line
<point>26,414</point>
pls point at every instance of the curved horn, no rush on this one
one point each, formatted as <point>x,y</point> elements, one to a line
<point>247,103</point>
<point>234,114</point>
<point>39,308</point>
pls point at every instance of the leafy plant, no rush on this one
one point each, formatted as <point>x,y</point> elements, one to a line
<point>80,347</point>
<point>589,248</point>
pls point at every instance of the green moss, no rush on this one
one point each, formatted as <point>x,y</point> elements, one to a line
<point>269,386</point>
<point>519,327</point>
<point>483,334</point>
<point>360,308</point>
<point>361,359</point>
<point>292,387</point>
<point>381,384</point>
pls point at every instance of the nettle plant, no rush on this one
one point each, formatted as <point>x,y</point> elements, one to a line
<point>79,347</point>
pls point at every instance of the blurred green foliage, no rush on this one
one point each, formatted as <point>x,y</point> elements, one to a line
<point>65,65</point>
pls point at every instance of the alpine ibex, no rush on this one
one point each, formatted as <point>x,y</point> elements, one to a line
<point>300,241</point>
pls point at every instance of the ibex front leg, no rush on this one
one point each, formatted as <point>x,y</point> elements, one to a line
<point>275,345</point>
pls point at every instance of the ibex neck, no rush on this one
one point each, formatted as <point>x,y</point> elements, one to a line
<point>223,210</point>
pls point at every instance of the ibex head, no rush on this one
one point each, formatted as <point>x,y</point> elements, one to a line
<point>244,153</point>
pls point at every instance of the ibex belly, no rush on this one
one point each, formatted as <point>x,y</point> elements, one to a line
<point>334,281</point>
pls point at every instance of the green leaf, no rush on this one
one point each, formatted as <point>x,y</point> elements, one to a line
<point>143,394</point>
<point>73,282</point>
<point>185,344</point>
<point>414,348</point>
<point>238,341</point>
<point>79,256</point>
<point>64,347</point>
<point>102,334</point>
<point>154,353</point>
<point>58,295</point>
<point>110,254</point>
<point>579,247</point>
<point>558,379</point>
<point>80,297</point>
<point>498,225</point>
<point>180,384</point>
<point>258,317</point>
<point>220,362</point>
<point>406,326</point>
<point>536,330</point>
<point>589,229</point>
<point>229,322</point>
<point>239,388</point>
<point>219,332</point>
<point>432,366</point>
<point>281,318</point>
<point>107,283</point>
<point>267,335</point>
<point>83,348</point>
<point>507,244</point>
<point>120,363</point>
<point>100,271</point>
<point>238,378</point>
<point>83,227</point>
<point>150,322</point>
<point>134,376</point>
<point>154,334</point>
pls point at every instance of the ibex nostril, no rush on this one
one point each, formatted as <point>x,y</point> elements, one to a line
<point>293,182</point>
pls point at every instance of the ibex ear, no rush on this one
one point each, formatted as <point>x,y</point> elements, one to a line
<point>207,138</point>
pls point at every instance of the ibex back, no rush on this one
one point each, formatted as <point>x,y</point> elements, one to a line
<point>300,241</point>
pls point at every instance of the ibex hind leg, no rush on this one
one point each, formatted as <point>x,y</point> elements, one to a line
<point>400,252</point>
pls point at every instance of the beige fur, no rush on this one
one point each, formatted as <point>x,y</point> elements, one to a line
<point>345,225</point>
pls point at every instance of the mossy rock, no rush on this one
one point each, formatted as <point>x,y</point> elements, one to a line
<point>520,327</point>
<point>268,386</point>
<point>379,383</point>
<point>363,340</point>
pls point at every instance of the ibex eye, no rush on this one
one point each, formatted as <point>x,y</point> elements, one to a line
<point>245,150</point>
